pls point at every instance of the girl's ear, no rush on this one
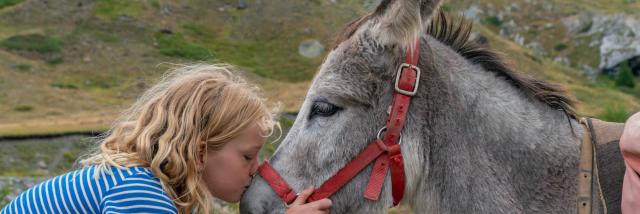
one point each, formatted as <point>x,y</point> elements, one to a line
<point>202,154</point>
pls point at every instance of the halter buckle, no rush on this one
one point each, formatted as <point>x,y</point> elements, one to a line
<point>416,82</point>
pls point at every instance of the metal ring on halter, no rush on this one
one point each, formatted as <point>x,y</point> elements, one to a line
<point>383,129</point>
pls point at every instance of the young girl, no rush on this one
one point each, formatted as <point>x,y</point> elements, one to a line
<point>194,136</point>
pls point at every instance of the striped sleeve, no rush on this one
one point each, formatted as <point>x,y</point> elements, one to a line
<point>137,194</point>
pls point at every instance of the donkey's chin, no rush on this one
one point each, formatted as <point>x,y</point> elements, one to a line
<point>259,199</point>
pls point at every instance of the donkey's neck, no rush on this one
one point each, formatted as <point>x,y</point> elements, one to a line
<point>505,150</point>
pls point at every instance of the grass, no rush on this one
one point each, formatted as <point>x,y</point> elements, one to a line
<point>269,56</point>
<point>264,44</point>
<point>51,130</point>
<point>23,67</point>
<point>105,32</point>
<point>64,85</point>
<point>23,108</point>
<point>273,141</point>
<point>614,6</point>
<point>493,21</point>
<point>625,78</point>
<point>4,192</point>
<point>91,81</point>
<point>581,54</point>
<point>615,113</point>
<point>7,3</point>
<point>54,61</point>
<point>24,173</point>
<point>32,42</point>
<point>110,9</point>
<point>610,81</point>
<point>560,46</point>
<point>42,157</point>
<point>175,45</point>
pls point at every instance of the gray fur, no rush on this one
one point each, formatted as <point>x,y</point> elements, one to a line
<point>401,22</point>
<point>473,142</point>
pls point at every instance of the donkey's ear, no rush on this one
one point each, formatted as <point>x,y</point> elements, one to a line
<point>400,22</point>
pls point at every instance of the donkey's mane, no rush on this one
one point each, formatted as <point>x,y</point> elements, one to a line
<point>456,36</point>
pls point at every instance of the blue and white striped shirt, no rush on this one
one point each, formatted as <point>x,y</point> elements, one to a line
<point>127,190</point>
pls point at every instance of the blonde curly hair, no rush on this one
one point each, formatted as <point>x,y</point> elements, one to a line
<point>168,125</point>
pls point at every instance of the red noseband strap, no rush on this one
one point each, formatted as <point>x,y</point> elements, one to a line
<point>277,183</point>
<point>385,152</point>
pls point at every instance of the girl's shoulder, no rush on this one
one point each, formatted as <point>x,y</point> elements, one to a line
<point>95,189</point>
<point>137,188</point>
<point>123,176</point>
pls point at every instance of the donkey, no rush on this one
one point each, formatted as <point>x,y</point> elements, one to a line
<point>480,137</point>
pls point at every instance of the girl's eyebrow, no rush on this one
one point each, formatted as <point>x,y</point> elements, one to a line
<point>253,148</point>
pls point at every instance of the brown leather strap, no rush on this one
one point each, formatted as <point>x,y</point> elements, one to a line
<point>585,176</point>
<point>606,153</point>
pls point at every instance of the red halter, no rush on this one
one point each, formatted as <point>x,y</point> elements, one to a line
<point>385,151</point>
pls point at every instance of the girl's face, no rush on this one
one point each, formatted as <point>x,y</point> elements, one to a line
<point>228,171</point>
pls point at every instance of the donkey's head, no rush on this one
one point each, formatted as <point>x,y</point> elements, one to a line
<point>345,107</point>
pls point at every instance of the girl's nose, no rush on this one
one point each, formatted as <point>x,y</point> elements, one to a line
<point>254,167</point>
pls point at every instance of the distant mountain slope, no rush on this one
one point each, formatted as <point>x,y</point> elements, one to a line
<point>72,65</point>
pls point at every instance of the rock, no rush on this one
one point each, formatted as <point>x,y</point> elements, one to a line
<point>42,164</point>
<point>537,48</point>
<point>617,36</point>
<point>561,60</point>
<point>621,40</point>
<point>509,29</point>
<point>473,12</point>
<point>549,8</point>
<point>519,39</point>
<point>126,18</point>
<point>591,73</point>
<point>580,23</point>
<point>166,31</point>
<point>242,4</point>
<point>548,25</point>
<point>165,11</point>
<point>307,30</point>
<point>310,48</point>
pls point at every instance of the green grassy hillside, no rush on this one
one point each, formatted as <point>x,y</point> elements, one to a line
<point>72,66</point>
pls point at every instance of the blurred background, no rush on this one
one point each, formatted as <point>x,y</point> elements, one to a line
<point>68,67</point>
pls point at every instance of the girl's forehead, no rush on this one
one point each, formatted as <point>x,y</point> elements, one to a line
<point>253,136</point>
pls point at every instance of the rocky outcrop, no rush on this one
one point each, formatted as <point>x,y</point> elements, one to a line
<point>597,40</point>
<point>621,39</point>
<point>311,48</point>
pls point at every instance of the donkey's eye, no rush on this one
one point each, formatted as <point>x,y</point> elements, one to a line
<point>323,109</point>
